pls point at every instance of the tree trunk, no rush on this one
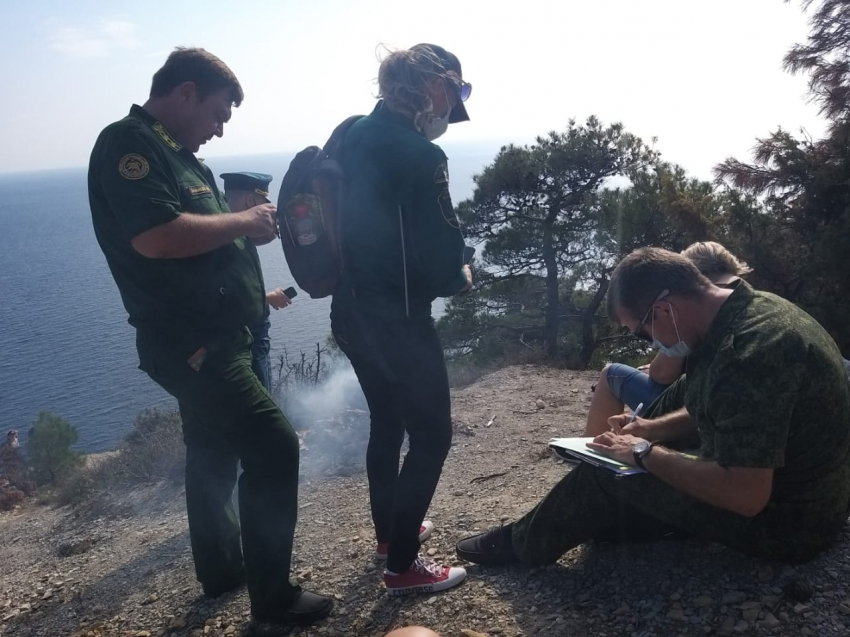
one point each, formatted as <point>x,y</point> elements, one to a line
<point>588,340</point>
<point>552,305</point>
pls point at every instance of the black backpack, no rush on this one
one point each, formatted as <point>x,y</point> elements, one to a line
<point>308,214</point>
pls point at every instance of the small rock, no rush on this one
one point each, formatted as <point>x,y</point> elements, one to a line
<point>179,623</point>
<point>733,597</point>
<point>47,594</point>
<point>675,597</point>
<point>305,575</point>
<point>432,600</point>
<point>471,633</point>
<point>751,614</point>
<point>540,404</point>
<point>143,633</point>
<point>230,630</point>
<point>770,622</point>
<point>432,552</point>
<point>844,607</point>
<point>150,599</point>
<point>741,627</point>
<point>703,601</point>
<point>765,574</point>
<point>801,608</point>
<point>623,610</point>
<point>677,614</point>
<point>727,626</point>
<point>371,567</point>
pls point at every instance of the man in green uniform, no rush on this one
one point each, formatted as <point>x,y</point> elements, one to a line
<point>243,191</point>
<point>191,285</point>
<point>766,400</point>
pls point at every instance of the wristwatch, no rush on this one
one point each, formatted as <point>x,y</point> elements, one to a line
<point>640,451</point>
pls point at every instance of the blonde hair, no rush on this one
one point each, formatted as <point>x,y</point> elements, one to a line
<point>403,80</point>
<point>713,259</point>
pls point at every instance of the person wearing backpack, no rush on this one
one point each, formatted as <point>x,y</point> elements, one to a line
<point>402,248</point>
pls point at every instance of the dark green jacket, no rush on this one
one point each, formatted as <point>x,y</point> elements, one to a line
<point>403,245</point>
<point>767,388</point>
<point>139,178</point>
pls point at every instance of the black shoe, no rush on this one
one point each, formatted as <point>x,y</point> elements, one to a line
<point>308,608</point>
<point>217,589</point>
<point>490,549</point>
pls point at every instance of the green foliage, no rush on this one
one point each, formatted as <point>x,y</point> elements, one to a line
<point>554,224</point>
<point>49,448</point>
<point>535,209</point>
<point>151,451</point>
<point>792,221</point>
<point>509,310</point>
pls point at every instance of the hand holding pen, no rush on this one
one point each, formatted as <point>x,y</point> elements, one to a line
<point>614,421</point>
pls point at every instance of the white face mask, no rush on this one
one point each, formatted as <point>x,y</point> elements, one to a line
<point>679,350</point>
<point>437,126</point>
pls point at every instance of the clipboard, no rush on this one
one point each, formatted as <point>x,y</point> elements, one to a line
<point>575,450</point>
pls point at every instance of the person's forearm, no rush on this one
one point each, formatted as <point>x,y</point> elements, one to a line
<point>677,425</point>
<point>190,235</point>
<point>741,490</point>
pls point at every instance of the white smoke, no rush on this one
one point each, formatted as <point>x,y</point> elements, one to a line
<point>332,421</point>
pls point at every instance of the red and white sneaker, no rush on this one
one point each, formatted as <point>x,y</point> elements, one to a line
<point>425,532</point>
<point>423,576</point>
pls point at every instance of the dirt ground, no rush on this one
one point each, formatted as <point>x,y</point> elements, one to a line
<point>125,568</point>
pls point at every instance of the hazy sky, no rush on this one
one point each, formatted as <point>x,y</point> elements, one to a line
<point>704,76</point>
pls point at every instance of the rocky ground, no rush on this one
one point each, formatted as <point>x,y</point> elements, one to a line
<point>125,568</point>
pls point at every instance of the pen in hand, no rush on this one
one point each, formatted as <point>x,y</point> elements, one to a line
<point>635,413</point>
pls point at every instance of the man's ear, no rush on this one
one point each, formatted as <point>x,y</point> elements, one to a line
<point>187,91</point>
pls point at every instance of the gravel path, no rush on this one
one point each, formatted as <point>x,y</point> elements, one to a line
<point>125,568</point>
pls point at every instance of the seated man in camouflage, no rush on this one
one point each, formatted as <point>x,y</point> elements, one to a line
<point>768,401</point>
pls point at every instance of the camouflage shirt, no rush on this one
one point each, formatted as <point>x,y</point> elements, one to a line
<point>767,388</point>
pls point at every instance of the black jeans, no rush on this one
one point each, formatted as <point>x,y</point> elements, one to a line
<point>402,371</point>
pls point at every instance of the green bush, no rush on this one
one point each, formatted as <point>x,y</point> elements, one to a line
<point>51,458</point>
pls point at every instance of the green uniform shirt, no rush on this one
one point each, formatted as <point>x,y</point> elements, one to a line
<point>767,388</point>
<point>139,178</point>
<point>398,217</point>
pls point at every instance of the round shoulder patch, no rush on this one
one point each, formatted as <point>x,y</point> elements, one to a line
<point>133,166</point>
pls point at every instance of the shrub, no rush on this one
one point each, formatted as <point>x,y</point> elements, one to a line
<point>51,458</point>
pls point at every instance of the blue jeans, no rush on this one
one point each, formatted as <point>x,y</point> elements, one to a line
<point>260,361</point>
<point>633,386</point>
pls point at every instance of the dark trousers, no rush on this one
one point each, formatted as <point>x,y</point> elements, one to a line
<point>260,359</point>
<point>402,372</point>
<point>591,503</point>
<point>229,416</point>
